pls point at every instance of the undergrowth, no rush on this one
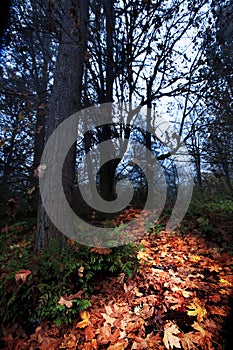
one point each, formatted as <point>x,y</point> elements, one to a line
<point>51,275</point>
<point>72,273</point>
<point>212,215</point>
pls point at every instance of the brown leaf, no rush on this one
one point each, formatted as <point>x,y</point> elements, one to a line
<point>22,275</point>
<point>104,335</point>
<point>108,319</point>
<point>199,328</point>
<point>2,142</point>
<point>102,251</point>
<point>187,341</point>
<point>118,346</point>
<point>69,343</point>
<point>64,302</point>
<point>89,332</point>
<point>91,346</point>
<point>217,310</point>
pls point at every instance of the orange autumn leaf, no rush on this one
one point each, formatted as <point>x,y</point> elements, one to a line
<point>85,316</point>
<point>199,328</point>
<point>102,251</point>
<point>215,298</point>
<point>215,268</point>
<point>118,346</point>
<point>195,309</point>
<point>69,343</point>
<point>188,340</point>
<point>22,275</point>
<point>217,310</point>
<point>89,332</point>
<point>91,346</point>
<point>225,282</point>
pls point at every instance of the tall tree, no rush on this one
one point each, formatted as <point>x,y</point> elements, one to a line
<point>219,92</point>
<point>65,100</point>
<point>25,80</point>
<point>148,60</point>
<point>4,19</point>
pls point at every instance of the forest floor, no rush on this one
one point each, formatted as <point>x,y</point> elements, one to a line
<point>179,298</point>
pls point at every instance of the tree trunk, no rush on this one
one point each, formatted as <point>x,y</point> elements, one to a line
<point>65,100</point>
<point>107,171</point>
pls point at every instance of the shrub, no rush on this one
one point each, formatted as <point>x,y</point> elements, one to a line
<point>48,276</point>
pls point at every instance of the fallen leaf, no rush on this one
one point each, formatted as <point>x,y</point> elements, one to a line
<point>80,271</point>
<point>187,341</point>
<point>108,319</point>
<point>143,256</point>
<point>104,334</point>
<point>89,332</point>
<point>195,258</point>
<point>64,302</point>
<point>118,346</point>
<point>186,294</point>
<point>170,339</point>
<point>195,309</point>
<point>225,282</point>
<point>85,316</point>
<point>199,328</point>
<point>22,275</point>
<point>102,251</point>
<point>215,310</point>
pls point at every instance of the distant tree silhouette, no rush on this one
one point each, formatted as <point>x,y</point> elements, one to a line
<point>4,19</point>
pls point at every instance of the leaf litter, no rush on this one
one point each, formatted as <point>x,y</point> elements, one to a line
<point>178,299</point>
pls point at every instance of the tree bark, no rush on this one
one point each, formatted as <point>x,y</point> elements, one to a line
<point>65,100</point>
<point>107,171</point>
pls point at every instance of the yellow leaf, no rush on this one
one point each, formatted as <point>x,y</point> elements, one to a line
<point>186,294</point>
<point>223,281</point>
<point>195,309</point>
<point>85,316</point>
<point>195,258</point>
<point>2,143</point>
<point>143,256</point>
